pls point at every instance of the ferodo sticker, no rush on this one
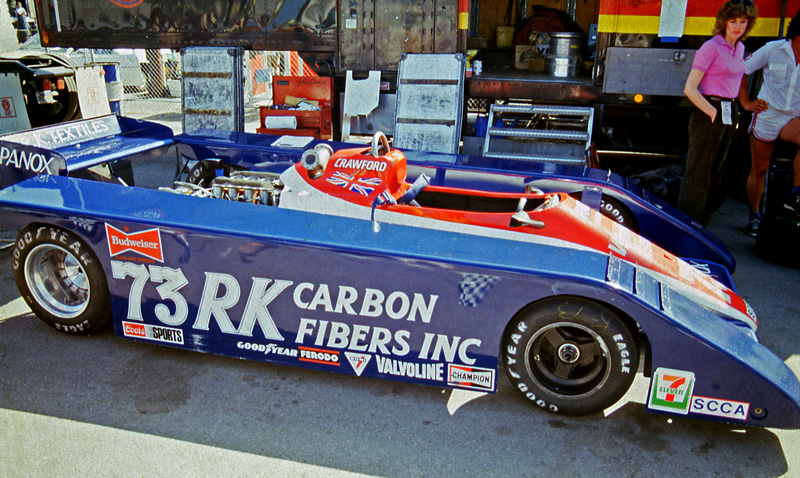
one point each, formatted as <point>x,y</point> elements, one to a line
<point>671,391</point>
<point>325,357</point>
<point>153,332</point>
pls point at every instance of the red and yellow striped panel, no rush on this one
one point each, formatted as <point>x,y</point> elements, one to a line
<point>463,14</point>
<point>642,16</point>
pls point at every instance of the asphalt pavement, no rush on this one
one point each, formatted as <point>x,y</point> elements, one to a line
<point>104,406</point>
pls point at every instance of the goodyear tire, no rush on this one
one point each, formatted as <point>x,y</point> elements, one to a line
<point>60,278</point>
<point>570,355</point>
<point>613,209</point>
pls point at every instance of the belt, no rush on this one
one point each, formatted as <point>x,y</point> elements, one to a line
<point>717,98</point>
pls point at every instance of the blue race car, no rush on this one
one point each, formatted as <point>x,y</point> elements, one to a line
<point>339,263</point>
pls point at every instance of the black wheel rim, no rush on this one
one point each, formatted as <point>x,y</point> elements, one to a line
<point>568,359</point>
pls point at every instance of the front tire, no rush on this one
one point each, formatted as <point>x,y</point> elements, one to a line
<point>61,280</point>
<point>570,355</point>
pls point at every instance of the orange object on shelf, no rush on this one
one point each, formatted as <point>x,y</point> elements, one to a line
<point>309,123</point>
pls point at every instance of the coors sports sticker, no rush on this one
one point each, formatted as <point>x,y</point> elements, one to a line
<point>146,243</point>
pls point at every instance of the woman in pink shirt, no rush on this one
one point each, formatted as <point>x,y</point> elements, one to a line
<point>712,87</point>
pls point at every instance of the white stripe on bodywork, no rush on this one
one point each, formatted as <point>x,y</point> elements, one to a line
<point>298,196</point>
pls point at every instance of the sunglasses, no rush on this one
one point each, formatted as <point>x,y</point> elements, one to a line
<point>747,3</point>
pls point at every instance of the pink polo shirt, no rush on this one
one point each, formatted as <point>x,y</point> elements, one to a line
<point>722,65</point>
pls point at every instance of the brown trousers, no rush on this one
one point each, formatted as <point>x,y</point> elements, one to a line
<point>701,189</point>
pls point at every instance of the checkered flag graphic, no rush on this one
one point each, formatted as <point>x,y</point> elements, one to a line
<point>473,288</point>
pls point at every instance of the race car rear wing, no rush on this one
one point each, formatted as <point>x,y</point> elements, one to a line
<point>67,147</point>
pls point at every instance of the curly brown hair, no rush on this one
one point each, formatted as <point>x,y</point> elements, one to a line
<point>729,11</point>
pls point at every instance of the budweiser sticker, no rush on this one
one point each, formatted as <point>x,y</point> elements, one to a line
<point>146,243</point>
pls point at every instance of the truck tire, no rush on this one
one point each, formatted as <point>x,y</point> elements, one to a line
<point>61,279</point>
<point>570,355</point>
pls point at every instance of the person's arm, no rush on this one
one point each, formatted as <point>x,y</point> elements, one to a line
<point>694,95</point>
<point>754,106</point>
<point>759,59</point>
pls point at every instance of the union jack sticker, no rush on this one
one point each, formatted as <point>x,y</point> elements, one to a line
<point>363,186</point>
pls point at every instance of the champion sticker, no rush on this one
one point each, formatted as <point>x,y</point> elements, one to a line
<point>475,378</point>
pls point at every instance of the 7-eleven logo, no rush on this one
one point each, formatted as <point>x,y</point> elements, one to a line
<point>671,391</point>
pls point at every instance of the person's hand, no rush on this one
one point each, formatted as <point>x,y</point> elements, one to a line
<point>755,106</point>
<point>713,114</point>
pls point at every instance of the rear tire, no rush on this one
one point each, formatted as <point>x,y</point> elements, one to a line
<point>570,355</point>
<point>203,173</point>
<point>61,279</point>
<point>615,210</point>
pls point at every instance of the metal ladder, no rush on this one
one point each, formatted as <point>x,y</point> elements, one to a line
<point>546,133</point>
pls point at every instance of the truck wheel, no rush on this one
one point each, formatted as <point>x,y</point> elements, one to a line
<point>60,278</point>
<point>570,355</point>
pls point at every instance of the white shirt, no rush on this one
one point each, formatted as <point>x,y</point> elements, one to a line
<point>781,75</point>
